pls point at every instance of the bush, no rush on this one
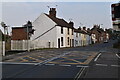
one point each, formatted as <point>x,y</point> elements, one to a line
<point>117,44</point>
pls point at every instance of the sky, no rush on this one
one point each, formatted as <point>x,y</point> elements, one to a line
<point>82,13</point>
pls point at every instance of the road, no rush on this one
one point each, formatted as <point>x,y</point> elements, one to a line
<point>94,61</point>
<point>105,66</point>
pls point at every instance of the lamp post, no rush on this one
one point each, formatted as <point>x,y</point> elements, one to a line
<point>4,26</point>
<point>27,38</point>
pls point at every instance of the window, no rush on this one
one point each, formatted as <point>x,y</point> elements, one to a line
<point>61,30</point>
<point>68,30</point>
<point>68,41</point>
<point>61,41</point>
<point>72,31</point>
<point>76,42</point>
<point>76,34</point>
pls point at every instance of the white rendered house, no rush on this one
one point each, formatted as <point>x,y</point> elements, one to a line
<point>52,32</point>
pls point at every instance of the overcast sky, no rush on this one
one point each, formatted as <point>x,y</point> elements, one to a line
<point>87,13</point>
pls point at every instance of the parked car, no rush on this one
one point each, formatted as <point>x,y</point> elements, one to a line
<point>106,41</point>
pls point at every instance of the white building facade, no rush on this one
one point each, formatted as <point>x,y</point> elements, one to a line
<point>52,32</point>
<point>81,38</point>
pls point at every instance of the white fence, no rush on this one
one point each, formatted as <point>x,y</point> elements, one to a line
<point>28,44</point>
<point>20,45</point>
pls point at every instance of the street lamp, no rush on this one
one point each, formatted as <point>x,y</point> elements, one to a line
<point>4,26</point>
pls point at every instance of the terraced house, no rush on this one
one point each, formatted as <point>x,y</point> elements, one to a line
<point>48,31</point>
<point>52,32</point>
<point>81,37</point>
<point>99,34</point>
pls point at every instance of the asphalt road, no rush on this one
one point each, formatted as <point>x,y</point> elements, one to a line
<point>107,65</point>
<point>103,65</point>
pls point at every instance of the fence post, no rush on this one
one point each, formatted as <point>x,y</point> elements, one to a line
<point>3,48</point>
<point>28,45</point>
<point>23,44</point>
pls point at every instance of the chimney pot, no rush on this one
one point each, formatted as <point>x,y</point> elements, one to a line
<point>52,12</point>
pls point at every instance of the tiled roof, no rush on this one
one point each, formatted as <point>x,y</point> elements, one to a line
<point>59,22</point>
<point>80,31</point>
<point>17,27</point>
<point>98,29</point>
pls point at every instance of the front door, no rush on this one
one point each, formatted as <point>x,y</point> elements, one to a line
<point>58,42</point>
<point>72,42</point>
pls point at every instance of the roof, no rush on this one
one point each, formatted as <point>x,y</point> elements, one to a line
<point>115,4</point>
<point>59,22</point>
<point>18,27</point>
<point>100,30</point>
<point>79,31</point>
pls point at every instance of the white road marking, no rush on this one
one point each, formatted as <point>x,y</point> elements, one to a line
<point>17,63</point>
<point>117,55</point>
<point>81,66</point>
<point>101,64</point>
<point>115,65</point>
<point>79,73</point>
<point>50,64</point>
<point>97,57</point>
<point>64,65</point>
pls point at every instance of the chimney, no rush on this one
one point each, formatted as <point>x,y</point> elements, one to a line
<point>88,29</point>
<point>95,26</point>
<point>84,28</point>
<point>52,12</point>
<point>71,24</point>
<point>79,28</point>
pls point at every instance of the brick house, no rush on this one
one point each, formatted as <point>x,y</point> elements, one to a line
<point>21,36</point>
<point>99,34</point>
<point>20,33</point>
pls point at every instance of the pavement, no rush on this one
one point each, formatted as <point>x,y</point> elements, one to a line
<point>93,61</point>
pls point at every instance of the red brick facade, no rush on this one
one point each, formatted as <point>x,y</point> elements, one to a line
<point>19,33</point>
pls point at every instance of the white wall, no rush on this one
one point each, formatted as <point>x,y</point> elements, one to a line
<point>41,25</point>
<point>88,39</point>
<point>59,35</point>
<point>65,36</point>
<point>93,36</point>
<point>70,37</point>
<point>78,39</point>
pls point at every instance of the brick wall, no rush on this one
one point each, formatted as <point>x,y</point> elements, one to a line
<point>19,34</point>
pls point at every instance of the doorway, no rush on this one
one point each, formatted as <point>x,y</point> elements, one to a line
<point>58,42</point>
